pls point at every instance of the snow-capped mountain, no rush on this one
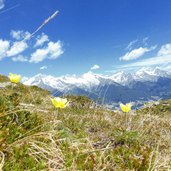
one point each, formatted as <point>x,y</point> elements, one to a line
<point>142,85</point>
<point>63,83</point>
<point>144,74</point>
<point>122,78</point>
<point>46,82</point>
<point>90,79</point>
<point>150,74</point>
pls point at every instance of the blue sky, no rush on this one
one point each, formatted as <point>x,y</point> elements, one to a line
<point>99,35</point>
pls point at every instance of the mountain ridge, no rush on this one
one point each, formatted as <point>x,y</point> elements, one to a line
<point>143,85</point>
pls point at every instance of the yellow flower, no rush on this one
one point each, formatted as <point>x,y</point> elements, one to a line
<point>125,108</point>
<point>14,78</point>
<point>59,102</point>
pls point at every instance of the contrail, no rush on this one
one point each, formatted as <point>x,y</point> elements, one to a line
<point>9,9</point>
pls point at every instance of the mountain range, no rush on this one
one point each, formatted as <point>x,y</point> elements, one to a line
<point>137,87</point>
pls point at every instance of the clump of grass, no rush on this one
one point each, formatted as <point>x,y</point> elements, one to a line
<point>34,135</point>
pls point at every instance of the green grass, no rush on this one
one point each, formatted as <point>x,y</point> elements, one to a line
<point>36,136</point>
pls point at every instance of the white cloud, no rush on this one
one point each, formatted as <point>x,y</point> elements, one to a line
<point>157,60</point>
<point>8,50</point>
<point>43,67</point>
<point>55,49</point>
<point>20,58</point>
<point>2,5</point>
<point>94,67</point>
<point>129,47</point>
<point>41,39</point>
<point>165,50</point>
<point>136,53</point>
<point>163,59</point>
<point>20,34</point>
<point>17,48</point>
<point>16,34</point>
<point>52,51</point>
<point>39,55</point>
<point>4,46</point>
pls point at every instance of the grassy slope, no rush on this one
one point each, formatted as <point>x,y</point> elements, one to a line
<point>36,136</point>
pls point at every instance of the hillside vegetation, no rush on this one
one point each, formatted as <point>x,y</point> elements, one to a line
<point>34,135</point>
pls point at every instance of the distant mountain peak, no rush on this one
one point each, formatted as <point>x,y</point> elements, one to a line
<point>150,74</point>
<point>122,77</point>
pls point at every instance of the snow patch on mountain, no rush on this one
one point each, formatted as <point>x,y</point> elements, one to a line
<point>122,78</point>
